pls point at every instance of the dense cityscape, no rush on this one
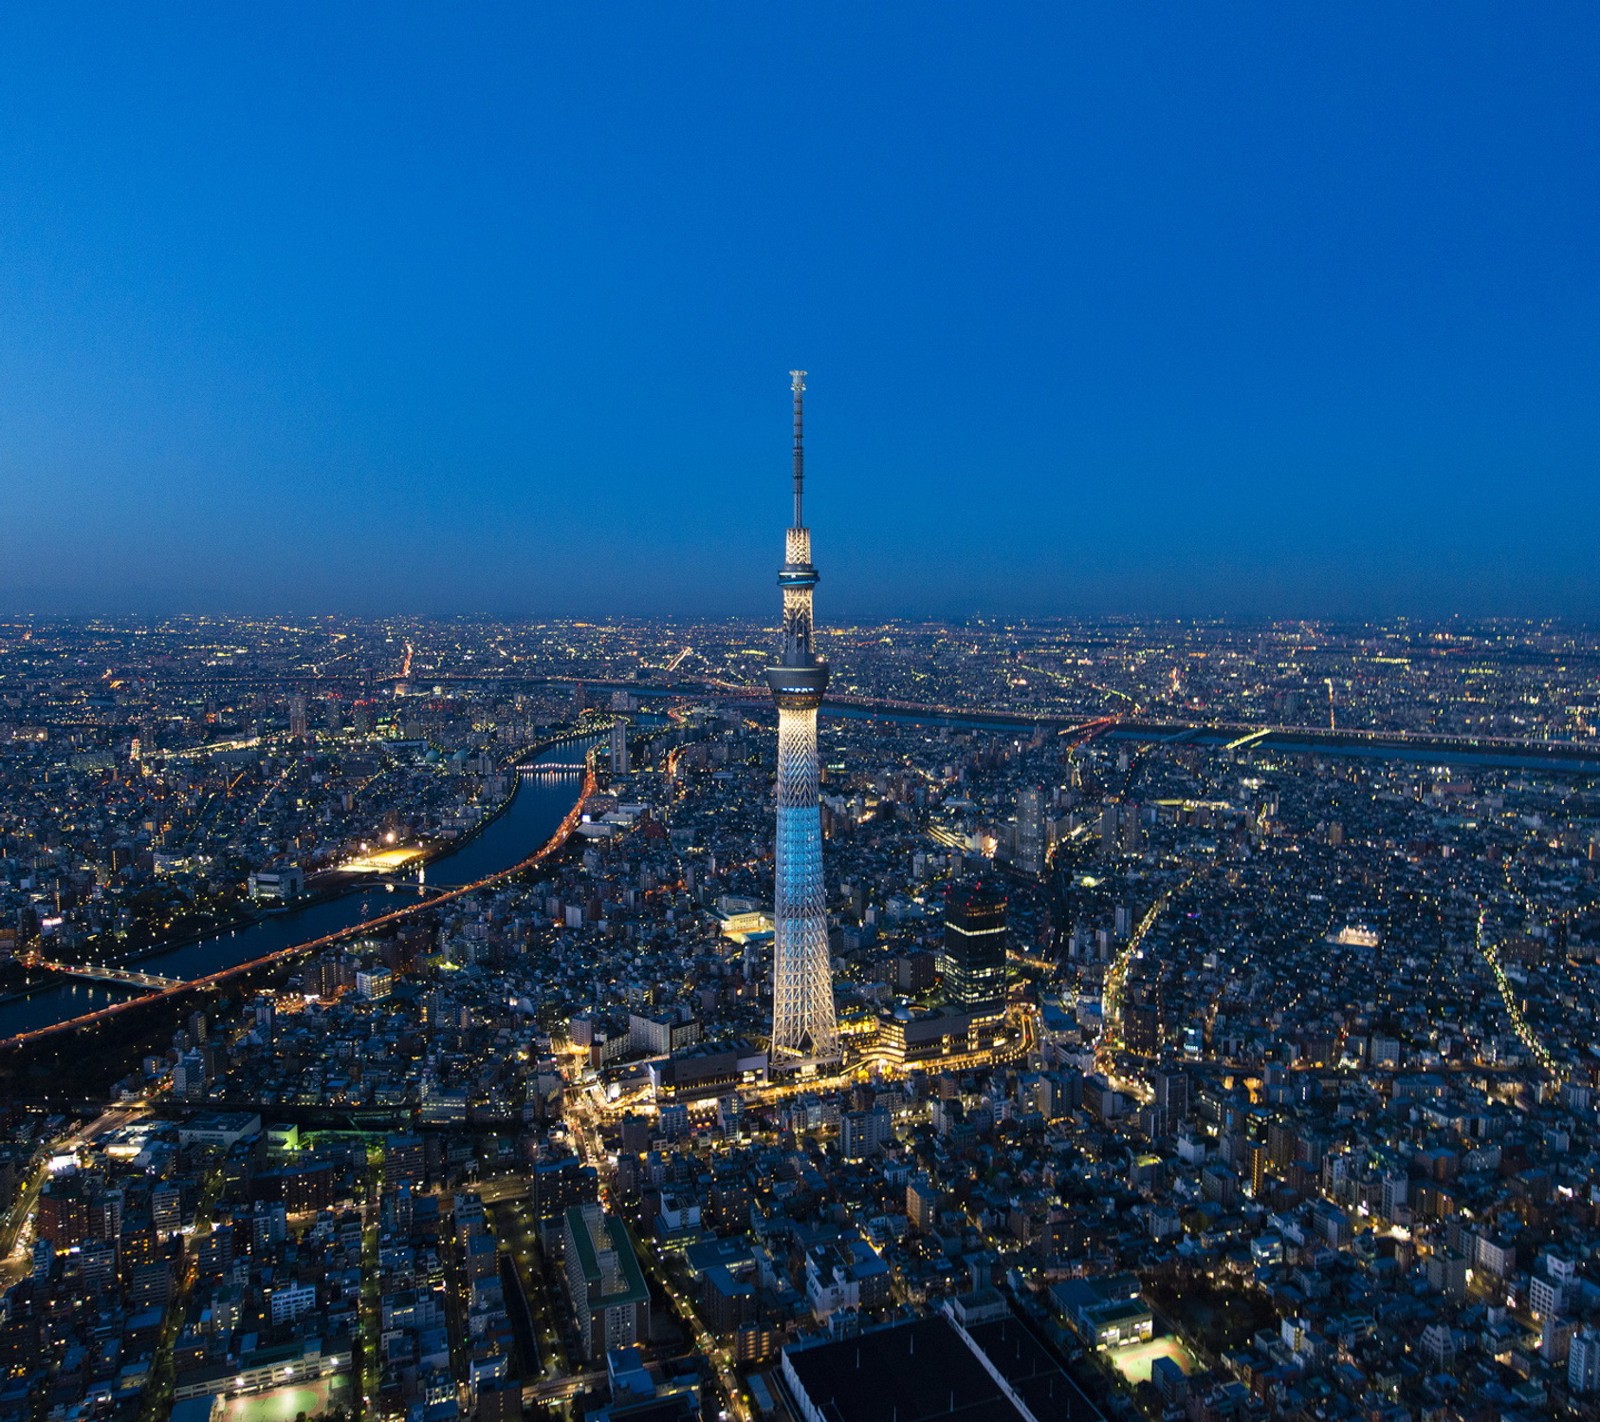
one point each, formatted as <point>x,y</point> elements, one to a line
<point>1216,1015</point>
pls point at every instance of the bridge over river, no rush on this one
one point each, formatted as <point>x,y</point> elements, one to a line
<point>548,790</point>
<point>128,977</point>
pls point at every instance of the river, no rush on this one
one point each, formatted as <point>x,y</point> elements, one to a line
<point>541,802</point>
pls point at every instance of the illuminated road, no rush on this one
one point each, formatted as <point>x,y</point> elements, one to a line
<point>1519,1024</point>
<point>16,1225</point>
<point>1111,1037</point>
<point>562,1389</point>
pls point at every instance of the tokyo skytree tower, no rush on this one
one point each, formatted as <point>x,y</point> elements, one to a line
<point>803,1026</point>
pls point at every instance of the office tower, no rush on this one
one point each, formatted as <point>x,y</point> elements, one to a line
<point>803,1026</point>
<point>619,748</point>
<point>297,715</point>
<point>973,958</point>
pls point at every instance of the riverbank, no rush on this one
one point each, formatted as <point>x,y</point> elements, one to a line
<point>330,884</point>
<point>542,813</point>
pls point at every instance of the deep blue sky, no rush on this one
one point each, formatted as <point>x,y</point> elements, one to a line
<point>1194,309</point>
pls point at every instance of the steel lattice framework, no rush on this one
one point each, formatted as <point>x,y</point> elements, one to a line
<point>803,1024</point>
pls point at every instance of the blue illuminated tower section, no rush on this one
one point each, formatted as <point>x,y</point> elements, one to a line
<point>803,1026</point>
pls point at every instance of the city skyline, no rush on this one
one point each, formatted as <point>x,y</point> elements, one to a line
<point>1257,314</point>
<point>1136,958</point>
<point>396,1020</point>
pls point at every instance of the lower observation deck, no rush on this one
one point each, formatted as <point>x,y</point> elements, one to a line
<point>799,686</point>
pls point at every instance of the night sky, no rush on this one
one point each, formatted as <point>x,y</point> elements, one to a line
<point>1206,309</point>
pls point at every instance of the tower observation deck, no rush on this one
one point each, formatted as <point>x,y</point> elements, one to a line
<point>804,1030</point>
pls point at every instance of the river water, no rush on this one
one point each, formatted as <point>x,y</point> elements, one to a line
<point>541,802</point>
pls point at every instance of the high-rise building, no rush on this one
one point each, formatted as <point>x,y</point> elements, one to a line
<point>1583,1361</point>
<point>297,715</point>
<point>1172,1098</point>
<point>803,1024</point>
<point>1141,1026</point>
<point>619,747</point>
<point>862,1133</point>
<point>972,960</point>
<point>1032,834</point>
<point>610,1299</point>
<point>922,1203</point>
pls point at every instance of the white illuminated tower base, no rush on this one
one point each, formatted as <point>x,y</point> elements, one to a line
<point>804,1030</point>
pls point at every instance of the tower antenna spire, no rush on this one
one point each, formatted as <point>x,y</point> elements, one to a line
<point>797,383</point>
